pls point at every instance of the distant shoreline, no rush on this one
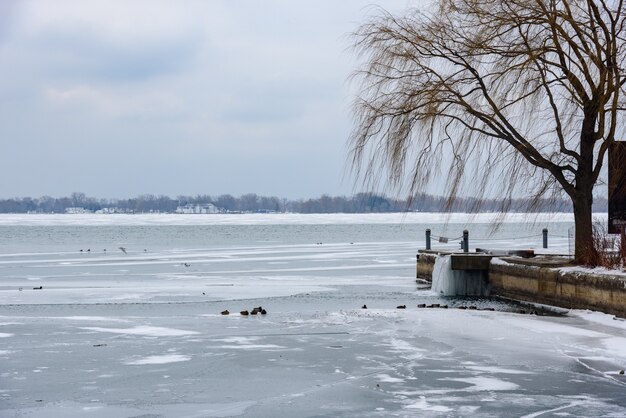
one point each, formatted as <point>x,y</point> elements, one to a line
<point>78,203</point>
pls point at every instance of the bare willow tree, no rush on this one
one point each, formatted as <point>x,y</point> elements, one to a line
<point>522,95</point>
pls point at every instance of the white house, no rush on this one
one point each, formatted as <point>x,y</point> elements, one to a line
<point>197,209</point>
<point>76,210</point>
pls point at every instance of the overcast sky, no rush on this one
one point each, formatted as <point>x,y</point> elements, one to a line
<point>120,98</point>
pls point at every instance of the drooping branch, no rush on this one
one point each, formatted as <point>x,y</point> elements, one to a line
<point>480,78</point>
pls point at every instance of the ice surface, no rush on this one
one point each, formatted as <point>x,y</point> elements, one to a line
<point>141,334</point>
<point>484,383</point>
<point>279,219</point>
<point>144,330</point>
<point>94,319</point>
<point>543,326</point>
<point>96,410</point>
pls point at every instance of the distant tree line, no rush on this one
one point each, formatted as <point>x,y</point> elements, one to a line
<point>359,203</point>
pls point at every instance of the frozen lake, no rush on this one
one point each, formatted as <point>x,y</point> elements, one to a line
<point>140,334</point>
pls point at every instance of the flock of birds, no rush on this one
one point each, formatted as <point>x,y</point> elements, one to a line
<point>260,310</point>
<point>254,311</point>
<point>122,249</point>
<point>470,307</point>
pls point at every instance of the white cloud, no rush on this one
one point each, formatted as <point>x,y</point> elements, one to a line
<point>121,21</point>
<point>113,103</point>
<point>195,87</point>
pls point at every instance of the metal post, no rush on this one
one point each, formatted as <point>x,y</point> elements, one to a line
<point>428,239</point>
<point>465,241</point>
<point>545,237</point>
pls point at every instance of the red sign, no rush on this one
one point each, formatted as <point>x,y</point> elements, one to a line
<point>617,187</point>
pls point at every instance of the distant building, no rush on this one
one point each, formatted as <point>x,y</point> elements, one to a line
<point>114,210</point>
<point>198,209</point>
<point>75,210</point>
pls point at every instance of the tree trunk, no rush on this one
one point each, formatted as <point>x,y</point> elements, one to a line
<point>585,252</point>
<point>582,199</point>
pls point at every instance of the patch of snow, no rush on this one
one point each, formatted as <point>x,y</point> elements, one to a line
<point>484,383</point>
<point>593,270</point>
<point>270,347</point>
<point>599,318</point>
<point>547,327</point>
<point>388,379</point>
<point>401,345</point>
<point>547,411</point>
<point>423,405</point>
<point>499,261</point>
<point>238,340</point>
<point>92,318</point>
<point>164,359</point>
<point>615,346</point>
<point>246,343</point>
<point>145,330</point>
<point>496,370</point>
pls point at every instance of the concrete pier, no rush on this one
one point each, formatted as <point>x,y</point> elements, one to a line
<point>540,280</point>
<point>468,261</point>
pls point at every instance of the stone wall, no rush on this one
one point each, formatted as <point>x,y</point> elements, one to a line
<point>567,289</point>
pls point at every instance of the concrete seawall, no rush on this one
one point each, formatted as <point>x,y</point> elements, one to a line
<point>532,281</point>
<point>425,264</point>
